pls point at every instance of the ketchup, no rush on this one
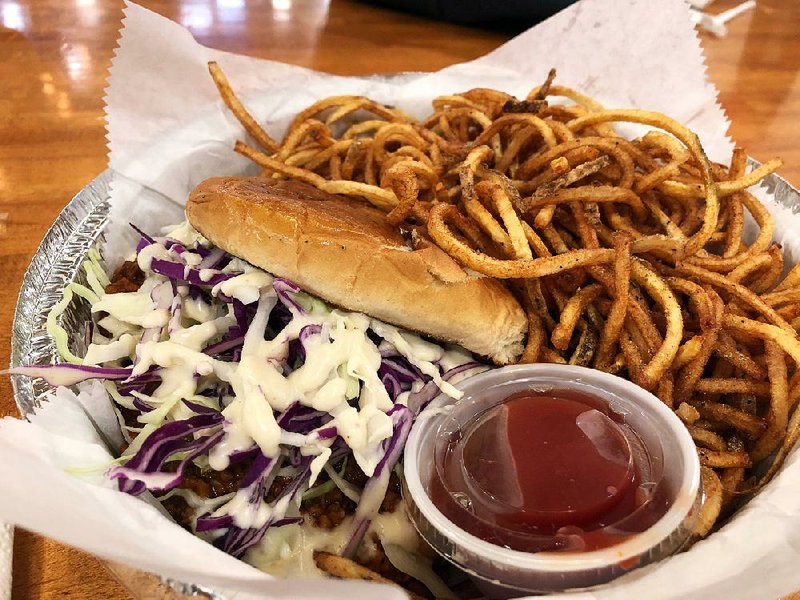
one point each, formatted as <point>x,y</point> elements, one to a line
<point>547,471</point>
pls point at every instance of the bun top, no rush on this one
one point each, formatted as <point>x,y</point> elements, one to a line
<point>343,251</point>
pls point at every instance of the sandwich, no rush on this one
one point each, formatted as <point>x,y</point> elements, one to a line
<point>345,252</point>
<point>267,359</point>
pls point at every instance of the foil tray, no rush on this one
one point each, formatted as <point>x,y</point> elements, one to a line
<point>57,262</point>
<point>81,226</point>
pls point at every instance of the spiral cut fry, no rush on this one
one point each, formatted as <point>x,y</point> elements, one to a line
<point>237,108</point>
<point>627,255</point>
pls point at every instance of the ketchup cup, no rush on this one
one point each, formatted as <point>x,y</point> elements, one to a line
<point>546,478</point>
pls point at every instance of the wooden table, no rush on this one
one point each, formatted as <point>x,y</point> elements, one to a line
<point>53,60</point>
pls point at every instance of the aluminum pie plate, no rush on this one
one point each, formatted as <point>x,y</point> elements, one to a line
<point>81,226</point>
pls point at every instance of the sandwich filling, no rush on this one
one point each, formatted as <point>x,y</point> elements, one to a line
<point>259,415</point>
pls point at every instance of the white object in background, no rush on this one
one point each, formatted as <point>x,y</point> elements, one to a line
<point>715,24</point>
<point>6,554</point>
<point>699,4</point>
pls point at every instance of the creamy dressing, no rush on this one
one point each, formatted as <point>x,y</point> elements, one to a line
<point>245,513</point>
<point>171,354</point>
<point>146,255</point>
<point>235,440</point>
<point>192,260</point>
<point>151,480</point>
<point>363,431</point>
<point>135,308</point>
<point>318,464</point>
<point>453,357</point>
<point>245,287</point>
<point>237,265</point>
<point>198,310</point>
<point>115,327</point>
<point>329,396</point>
<point>395,528</point>
<point>418,352</point>
<point>261,388</point>
<point>186,235</point>
<point>251,409</point>
<point>112,351</point>
<point>288,551</point>
<point>198,336</point>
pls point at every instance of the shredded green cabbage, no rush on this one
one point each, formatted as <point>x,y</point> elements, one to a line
<point>94,258</point>
<point>118,398</point>
<point>57,332</point>
<point>310,304</point>
<point>348,489</point>
<point>92,279</point>
<point>353,386</point>
<point>324,488</point>
<point>100,467</point>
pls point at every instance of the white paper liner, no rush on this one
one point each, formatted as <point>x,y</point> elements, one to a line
<point>168,131</point>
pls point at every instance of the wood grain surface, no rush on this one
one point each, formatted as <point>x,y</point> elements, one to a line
<point>54,55</point>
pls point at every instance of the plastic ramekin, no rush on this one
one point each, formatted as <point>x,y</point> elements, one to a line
<point>504,573</point>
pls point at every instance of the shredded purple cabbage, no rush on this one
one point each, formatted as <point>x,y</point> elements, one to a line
<point>240,313</point>
<point>236,540</point>
<point>241,455</point>
<point>400,368</point>
<point>179,272</point>
<point>224,345</point>
<point>160,446</point>
<point>393,386</point>
<point>326,433</point>
<point>209,523</point>
<point>302,419</point>
<point>397,375</point>
<point>418,401</point>
<point>144,241</point>
<point>200,409</point>
<point>309,330</point>
<point>284,288</point>
<point>141,405</point>
<point>212,259</point>
<point>287,521</point>
<point>175,310</point>
<point>68,374</point>
<point>376,486</point>
<point>295,457</point>
<point>138,383</point>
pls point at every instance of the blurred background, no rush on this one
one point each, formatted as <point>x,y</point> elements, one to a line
<point>505,14</point>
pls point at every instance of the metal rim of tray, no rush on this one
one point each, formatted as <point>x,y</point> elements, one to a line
<point>57,262</point>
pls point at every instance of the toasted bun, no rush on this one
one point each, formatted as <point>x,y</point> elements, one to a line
<point>343,251</point>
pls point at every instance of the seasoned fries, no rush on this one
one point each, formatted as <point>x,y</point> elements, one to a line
<point>628,256</point>
<point>344,568</point>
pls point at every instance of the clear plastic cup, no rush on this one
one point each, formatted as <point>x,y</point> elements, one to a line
<point>501,572</point>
